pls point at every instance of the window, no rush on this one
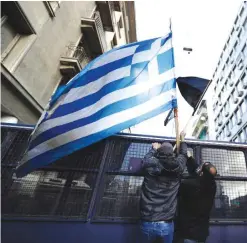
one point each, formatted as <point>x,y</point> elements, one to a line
<point>120,191</point>
<point>227,61</point>
<point>230,200</point>
<point>240,34</point>
<point>244,50</point>
<point>9,36</point>
<point>239,114</point>
<point>239,85</point>
<point>64,191</point>
<point>236,20</point>
<point>233,120</point>
<point>227,162</point>
<point>227,127</point>
<point>241,12</point>
<point>114,41</point>
<point>235,93</point>
<point>220,101</point>
<point>242,136</point>
<point>243,107</point>
<point>245,100</point>
<point>223,72</point>
<point>243,79</point>
<point>245,24</point>
<point>16,34</point>
<point>52,7</point>
<point>235,45</point>
<point>223,134</point>
<point>230,123</point>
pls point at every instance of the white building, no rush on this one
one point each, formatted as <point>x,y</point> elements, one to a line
<point>225,103</point>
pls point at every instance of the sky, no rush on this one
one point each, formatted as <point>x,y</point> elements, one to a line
<point>201,25</point>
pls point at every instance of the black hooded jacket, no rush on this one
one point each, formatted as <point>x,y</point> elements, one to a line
<point>161,182</point>
<point>196,198</point>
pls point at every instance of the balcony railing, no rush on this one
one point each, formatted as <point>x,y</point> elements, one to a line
<point>79,53</point>
<point>93,31</point>
<point>73,60</point>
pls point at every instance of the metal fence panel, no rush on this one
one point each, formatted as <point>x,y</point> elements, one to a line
<point>64,189</point>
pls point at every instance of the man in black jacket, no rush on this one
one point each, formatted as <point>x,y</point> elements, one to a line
<point>196,198</point>
<point>159,191</point>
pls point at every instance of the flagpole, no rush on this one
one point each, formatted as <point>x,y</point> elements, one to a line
<point>175,110</point>
<point>177,129</point>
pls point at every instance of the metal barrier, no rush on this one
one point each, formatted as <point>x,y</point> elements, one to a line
<point>102,182</point>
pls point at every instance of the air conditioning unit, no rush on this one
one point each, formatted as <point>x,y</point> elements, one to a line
<point>231,84</point>
<point>232,61</point>
<point>235,100</point>
<point>237,29</point>
<point>220,123</point>
<point>227,114</point>
<point>245,85</point>
<point>216,129</point>
<point>228,134</point>
<point>240,93</point>
<point>220,104</point>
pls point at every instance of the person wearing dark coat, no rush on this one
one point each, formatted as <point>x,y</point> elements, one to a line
<point>195,201</point>
<point>162,171</point>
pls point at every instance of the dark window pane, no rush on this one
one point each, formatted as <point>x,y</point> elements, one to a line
<point>87,158</point>
<point>120,198</point>
<point>13,145</point>
<point>49,194</point>
<point>227,162</point>
<point>230,200</point>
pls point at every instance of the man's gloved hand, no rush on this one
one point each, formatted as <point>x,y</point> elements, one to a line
<point>189,154</point>
<point>156,146</point>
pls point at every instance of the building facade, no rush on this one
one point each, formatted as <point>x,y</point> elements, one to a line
<point>45,44</point>
<point>225,103</point>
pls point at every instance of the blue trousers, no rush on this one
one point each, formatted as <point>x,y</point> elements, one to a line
<point>157,232</point>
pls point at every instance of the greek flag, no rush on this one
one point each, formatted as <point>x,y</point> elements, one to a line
<point>117,90</point>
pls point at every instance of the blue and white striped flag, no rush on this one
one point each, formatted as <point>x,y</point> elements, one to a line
<point>117,90</point>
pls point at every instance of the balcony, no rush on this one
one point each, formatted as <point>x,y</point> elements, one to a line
<point>105,9</point>
<point>74,59</point>
<point>92,29</point>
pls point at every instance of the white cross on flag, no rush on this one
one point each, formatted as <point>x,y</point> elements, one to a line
<point>117,90</point>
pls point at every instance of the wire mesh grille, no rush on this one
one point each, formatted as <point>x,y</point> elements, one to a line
<point>228,162</point>
<point>126,155</point>
<point>63,189</point>
<point>46,193</point>
<point>119,198</point>
<point>230,200</point>
<point>88,158</point>
<point>13,144</point>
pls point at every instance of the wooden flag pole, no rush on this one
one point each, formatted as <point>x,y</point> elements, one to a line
<point>175,110</point>
<point>177,129</point>
<point>185,128</point>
